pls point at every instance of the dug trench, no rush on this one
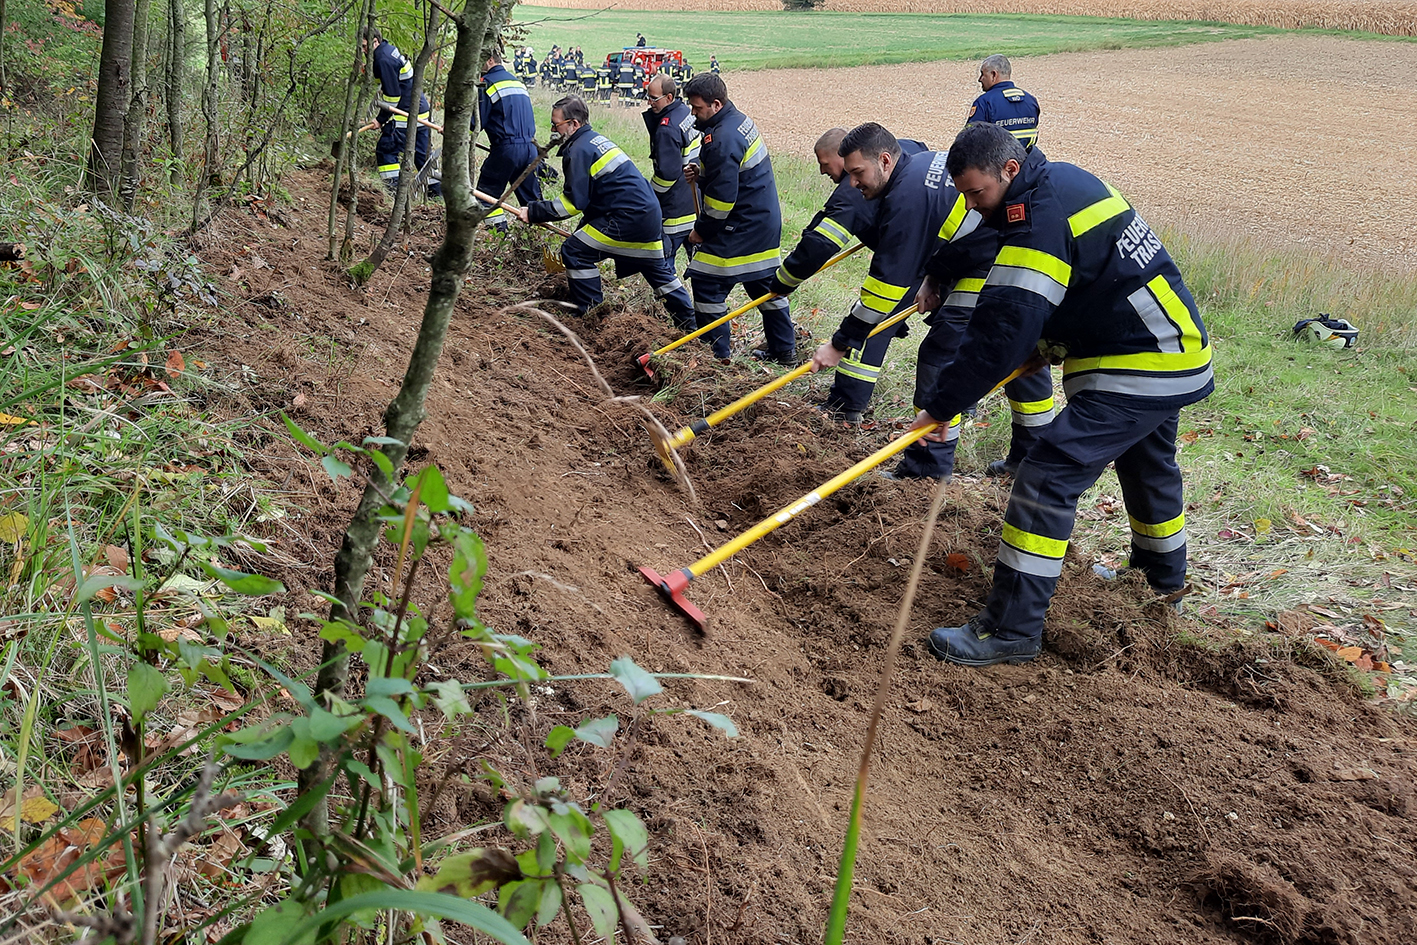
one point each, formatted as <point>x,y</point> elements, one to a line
<point>1141,781</point>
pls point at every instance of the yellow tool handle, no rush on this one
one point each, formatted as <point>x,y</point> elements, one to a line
<point>403,114</point>
<point>488,198</point>
<point>687,434</point>
<point>751,305</point>
<point>714,558</point>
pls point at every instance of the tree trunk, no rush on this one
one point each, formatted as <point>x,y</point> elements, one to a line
<point>346,249</point>
<point>176,69</point>
<point>450,265</point>
<point>111,102</point>
<point>2,47</point>
<point>137,105</point>
<point>345,142</point>
<point>211,173</point>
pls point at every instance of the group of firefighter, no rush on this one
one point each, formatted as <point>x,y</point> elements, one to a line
<point>565,70</point>
<point>1015,262</point>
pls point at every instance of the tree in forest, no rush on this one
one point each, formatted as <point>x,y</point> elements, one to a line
<point>112,98</point>
<point>136,117</point>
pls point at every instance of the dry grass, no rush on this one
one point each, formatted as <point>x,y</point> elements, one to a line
<point>1395,18</point>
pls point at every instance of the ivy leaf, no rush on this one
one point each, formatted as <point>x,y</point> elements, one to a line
<point>638,683</point>
<point>558,738</point>
<point>721,722</point>
<point>146,687</point>
<point>599,731</point>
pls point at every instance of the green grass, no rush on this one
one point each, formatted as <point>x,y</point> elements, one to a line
<point>782,40</point>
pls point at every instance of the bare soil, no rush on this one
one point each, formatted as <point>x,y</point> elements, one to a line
<point>1291,140</point>
<point>1132,785</point>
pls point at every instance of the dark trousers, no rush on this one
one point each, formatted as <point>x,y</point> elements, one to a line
<point>927,458</point>
<point>389,150</point>
<point>672,242</point>
<point>583,279</point>
<point>858,372</point>
<point>1094,429</point>
<point>504,165</point>
<point>710,295</point>
<point>1031,410</point>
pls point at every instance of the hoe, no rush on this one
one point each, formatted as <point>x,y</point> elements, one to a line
<point>673,586</point>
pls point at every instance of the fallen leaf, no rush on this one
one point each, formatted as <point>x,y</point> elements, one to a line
<point>8,420</point>
<point>298,400</point>
<point>176,364</point>
<point>1277,572</point>
<point>1364,662</point>
<point>1263,525</point>
<point>117,558</point>
<point>957,561</point>
<point>921,707</point>
<point>1189,437</point>
<point>224,848</point>
<point>13,526</point>
<point>226,701</point>
<point>1349,653</point>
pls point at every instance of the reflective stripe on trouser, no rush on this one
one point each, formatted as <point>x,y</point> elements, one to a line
<point>1094,429</point>
<point>1026,396</point>
<point>858,372</point>
<point>505,165</point>
<point>583,279</point>
<point>389,151</point>
<point>710,293</point>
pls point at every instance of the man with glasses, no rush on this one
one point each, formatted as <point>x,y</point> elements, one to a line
<point>620,217</point>
<point>673,142</point>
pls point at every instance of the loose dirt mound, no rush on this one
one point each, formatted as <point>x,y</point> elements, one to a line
<point>1240,137</point>
<point>1126,787</point>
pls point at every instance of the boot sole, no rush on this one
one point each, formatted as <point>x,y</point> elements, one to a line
<point>961,661</point>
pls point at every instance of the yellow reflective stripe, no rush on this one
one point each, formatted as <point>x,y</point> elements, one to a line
<point>1038,261</point>
<point>389,99</point>
<point>505,83</point>
<point>785,276</point>
<point>753,148</point>
<point>388,167</point>
<point>1161,530</point>
<point>884,289</point>
<point>877,304</point>
<point>713,203</point>
<point>622,244</point>
<point>1035,544</point>
<point>605,159</point>
<point>952,222</point>
<point>969,285</point>
<point>1093,216</point>
<point>675,221</point>
<point>1177,311</point>
<point>1156,361</point>
<point>712,260</point>
<point>1031,406</point>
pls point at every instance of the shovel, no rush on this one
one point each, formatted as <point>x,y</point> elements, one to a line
<point>687,434</point>
<point>644,358</point>
<point>673,585</point>
<point>549,261</point>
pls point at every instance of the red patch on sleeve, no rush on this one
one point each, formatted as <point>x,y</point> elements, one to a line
<point>664,120</point>
<point>708,138</point>
<point>1015,213</point>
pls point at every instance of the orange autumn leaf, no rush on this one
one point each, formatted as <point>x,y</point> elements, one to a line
<point>176,364</point>
<point>1349,653</point>
<point>957,561</point>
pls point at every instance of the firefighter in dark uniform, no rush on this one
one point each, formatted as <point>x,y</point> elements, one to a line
<point>625,81</point>
<point>1030,398</point>
<point>673,142</point>
<point>604,84</point>
<point>846,214</point>
<point>547,72</point>
<point>713,65</point>
<point>1080,275</point>
<point>505,113</point>
<point>620,217</point>
<point>587,77</point>
<point>738,233</point>
<point>569,74</point>
<point>395,75</point>
<point>915,206</point>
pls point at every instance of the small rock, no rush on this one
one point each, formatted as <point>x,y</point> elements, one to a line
<point>1167,815</point>
<point>721,524</point>
<point>1232,817</point>
<point>1355,773</point>
<point>921,707</point>
<point>1030,698</point>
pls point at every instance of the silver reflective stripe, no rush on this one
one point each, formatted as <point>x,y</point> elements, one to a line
<point>861,370</point>
<point>508,90</point>
<point>668,287</point>
<point>717,214</point>
<point>582,273</point>
<point>708,269</point>
<point>679,227</point>
<point>585,236</point>
<point>1167,335</point>
<point>756,158</point>
<point>1138,385</point>
<point>962,299</point>
<point>615,162</point>
<point>968,225</point>
<point>953,435</point>
<point>1026,563</point>
<point>1160,545</point>
<point>711,308</point>
<point>1033,419</point>
<point>1030,280</point>
<point>776,305</point>
<point>868,315</point>
<point>660,186</point>
<point>691,152</point>
<point>560,207</point>
<point>386,175</point>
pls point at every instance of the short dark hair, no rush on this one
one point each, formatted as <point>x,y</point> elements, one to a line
<point>871,139</point>
<point>708,87</point>
<point>494,54</point>
<point>572,108</point>
<point>986,147</point>
<point>366,32</point>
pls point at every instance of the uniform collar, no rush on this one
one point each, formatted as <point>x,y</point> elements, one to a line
<point>499,67</point>
<point>1001,85</point>
<point>716,120</point>
<point>566,145</point>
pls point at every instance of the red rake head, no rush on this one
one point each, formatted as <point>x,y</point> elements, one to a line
<point>644,364</point>
<point>672,588</point>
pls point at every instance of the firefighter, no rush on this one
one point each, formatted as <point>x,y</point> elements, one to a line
<point>620,217</point>
<point>713,64</point>
<point>604,84</point>
<point>673,142</point>
<point>547,73</point>
<point>625,81</point>
<point>1080,275</point>
<point>568,74</point>
<point>395,74</point>
<point>587,76</point>
<point>914,206</point>
<point>738,233</point>
<point>846,214</point>
<point>1004,103</point>
<point>505,113</point>
<point>640,39</point>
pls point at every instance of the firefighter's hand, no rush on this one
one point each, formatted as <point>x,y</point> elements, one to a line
<point>518,212</point>
<point>923,419</point>
<point>691,173</point>
<point>1038,361</point>
<point>927,299</point>
<point>827,355</point>
<point>694,237</point>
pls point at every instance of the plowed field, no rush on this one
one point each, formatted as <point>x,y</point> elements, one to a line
<point>1297,141</point>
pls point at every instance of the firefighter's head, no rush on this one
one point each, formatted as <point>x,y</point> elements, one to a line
<point>660,92</point>
<point>370,38</point>
<point>494,59</point>
<point>706,95</point>
<point>984,160</point>
<point>994,70</point>
<point>870,153</point>
<point>829,163</point>
<point>568,115</point>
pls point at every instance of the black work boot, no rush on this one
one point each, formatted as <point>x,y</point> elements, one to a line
<point>970,645</point>
<point>1001,467</point>
<point>924,459</point>
<point>785,358</point>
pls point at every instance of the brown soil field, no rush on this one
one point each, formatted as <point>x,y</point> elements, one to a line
<point>1398,18</point>
<point>1286,140</point>
<point>1126,787</point>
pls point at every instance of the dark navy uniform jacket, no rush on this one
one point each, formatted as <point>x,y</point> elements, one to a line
<point>1011,108</point>
<point>1081,272</point>
<point>673,142</point>
<point>845,215</point>
<point>620,212</point>
<point>919,208</point>
<point>395,74</point>
<point>739,216</point>
<point>504,108</point>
